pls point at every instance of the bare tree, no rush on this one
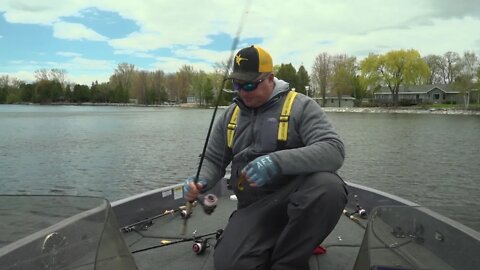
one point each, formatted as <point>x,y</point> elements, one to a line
<point>436,63</point>
<point>452,67</point>
<point>123,77</point>
<point>470,64</point>
<point>41,74</point>
<point>140,85</point>
<point>321,72</point>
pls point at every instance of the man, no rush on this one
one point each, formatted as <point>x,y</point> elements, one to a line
<point>284,155</point>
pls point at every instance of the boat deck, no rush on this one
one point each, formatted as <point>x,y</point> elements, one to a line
<point>342,244</point>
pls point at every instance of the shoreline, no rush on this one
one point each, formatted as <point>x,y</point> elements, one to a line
<point>400,110</point>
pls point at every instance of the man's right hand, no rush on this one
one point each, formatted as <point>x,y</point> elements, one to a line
<point>192,190</point>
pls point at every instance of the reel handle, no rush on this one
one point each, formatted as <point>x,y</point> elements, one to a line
<point>209,203</point>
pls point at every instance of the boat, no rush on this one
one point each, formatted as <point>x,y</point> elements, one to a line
<point>377,230</point>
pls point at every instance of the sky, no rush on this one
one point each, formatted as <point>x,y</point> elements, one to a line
<point>89,38</point>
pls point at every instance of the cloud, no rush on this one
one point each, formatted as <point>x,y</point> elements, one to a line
<point>458,9</point>
<point>202,54</point>
<point>79,69</point>
<point>172,64</point>
<point>90,64</point>
<point>140,42</point>
<point>69,54</point>
<point>293,32</point>
<point>23,75</point>
<point>87,79</point>
<point>39,12</point>
<point>75,31</point>
<point>135,53</point>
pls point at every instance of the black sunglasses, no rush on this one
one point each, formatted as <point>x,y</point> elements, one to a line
<point>248,86</point>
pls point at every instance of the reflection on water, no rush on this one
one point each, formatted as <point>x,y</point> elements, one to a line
<point>428,159</point>
<point>114,152</point>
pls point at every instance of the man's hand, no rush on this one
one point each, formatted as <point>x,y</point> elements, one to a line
<point>190,190</point>
<point>260,171</point>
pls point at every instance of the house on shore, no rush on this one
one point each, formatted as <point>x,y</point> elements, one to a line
<point>332,101</point>
<point>417,94</point>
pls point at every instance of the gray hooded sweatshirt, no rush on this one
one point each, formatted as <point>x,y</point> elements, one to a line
<point>312,145</point>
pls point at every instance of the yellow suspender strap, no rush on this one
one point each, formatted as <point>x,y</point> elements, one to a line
<point>285,116</point>
<point>232,126</point>
<point>282,126</point>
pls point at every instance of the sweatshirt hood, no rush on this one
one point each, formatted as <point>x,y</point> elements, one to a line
<point>280,86</point>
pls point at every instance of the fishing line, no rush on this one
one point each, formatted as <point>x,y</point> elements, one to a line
<point>225,75</point>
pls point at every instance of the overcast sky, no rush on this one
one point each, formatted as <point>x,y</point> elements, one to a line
<point>89,38</point>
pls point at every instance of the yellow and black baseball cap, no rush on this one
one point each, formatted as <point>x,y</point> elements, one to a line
<point>250,62</point>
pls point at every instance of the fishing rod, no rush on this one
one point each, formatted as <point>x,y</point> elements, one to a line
<point>147,222</point>
<point>200,242</point>
<point>202,156</point>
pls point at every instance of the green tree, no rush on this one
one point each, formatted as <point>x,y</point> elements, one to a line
<point>151,97</point>
<point>68,93</point>
<point>199,86</point>
<point>344,76</point>
<point>27,92</point>
<point>464,84</point>
<point>118,95</point>
<point>123,77</point>
<point>395,68</point>
<point>57,91</point>
<point>303,80</point>
<point>102,92</point>
<point>81,93</point>
<point>275,69</point>
<point>184,81</point>
<point>4,81</point>
<point>288,73</point>
<point>94,92</point>
<point>359,90</point>
<point>47,91</point>
<point>156,87</point>
<point>219,84</point>
<point>14,96</point>
<point>208,91</point>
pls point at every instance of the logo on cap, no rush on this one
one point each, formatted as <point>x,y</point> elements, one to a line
<point>239,58</point>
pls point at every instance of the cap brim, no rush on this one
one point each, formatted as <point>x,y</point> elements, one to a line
<point>245,76</point>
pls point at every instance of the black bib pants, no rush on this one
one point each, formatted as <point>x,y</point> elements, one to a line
<point>278,227</point>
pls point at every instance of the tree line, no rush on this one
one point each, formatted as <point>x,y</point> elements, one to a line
<point>331,74</point>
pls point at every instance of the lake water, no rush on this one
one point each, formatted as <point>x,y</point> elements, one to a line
<point>115,152</point>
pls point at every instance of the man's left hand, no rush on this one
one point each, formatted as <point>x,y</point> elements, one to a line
<point>260,171</point>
